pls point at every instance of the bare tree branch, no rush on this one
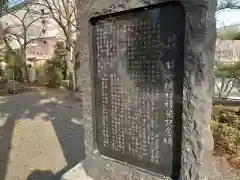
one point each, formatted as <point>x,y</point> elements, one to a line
<point>33,21</point>
<point>19,32</point>
<point>35,39</point>
<point>228,4</point>
<point>15,15</point>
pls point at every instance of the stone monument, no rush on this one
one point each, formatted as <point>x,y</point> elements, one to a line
<point>147,83</point>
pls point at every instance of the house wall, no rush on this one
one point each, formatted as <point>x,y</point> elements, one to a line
<point>227,51</point>
<point>41,50</point>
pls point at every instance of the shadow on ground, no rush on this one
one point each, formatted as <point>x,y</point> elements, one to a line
<point>35,106</point>
<point>38,175</point>
<point>46,175</point>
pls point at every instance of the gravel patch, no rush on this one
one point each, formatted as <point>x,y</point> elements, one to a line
<point>221,170</point>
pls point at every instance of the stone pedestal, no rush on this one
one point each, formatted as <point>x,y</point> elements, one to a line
<point>197,140</point>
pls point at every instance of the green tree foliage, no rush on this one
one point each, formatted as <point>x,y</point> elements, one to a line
<point>60,50</point>
<point>228,71</point>
<point>14,69</point>
<point>59,57</point>
<point>229,34</point>
<point>56,67</point>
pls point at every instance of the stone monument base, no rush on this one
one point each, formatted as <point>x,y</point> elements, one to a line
<point>76,173</point>
<point>98,167</point>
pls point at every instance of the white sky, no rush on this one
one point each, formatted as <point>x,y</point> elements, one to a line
<point>228,17</point>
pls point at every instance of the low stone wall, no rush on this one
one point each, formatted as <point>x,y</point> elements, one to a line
<point>226,102</point>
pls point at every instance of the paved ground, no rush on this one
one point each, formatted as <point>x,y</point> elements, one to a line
<point>40,138</point>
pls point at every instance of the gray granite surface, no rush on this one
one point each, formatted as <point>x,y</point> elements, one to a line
<point>197,141</point>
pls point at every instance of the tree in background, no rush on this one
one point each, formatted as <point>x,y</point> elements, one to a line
<point>14,70</point>
<point>228,4</point>
<point>59,56</point>
<point>229,34</point>
<point>230,79</point>
<point>23,27</point>
<point>56,67</point>
<point>64,13</point>
<point>229,75</point>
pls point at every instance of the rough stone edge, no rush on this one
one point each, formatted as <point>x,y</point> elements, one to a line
<point>194,148</point>
<point>197,144</point>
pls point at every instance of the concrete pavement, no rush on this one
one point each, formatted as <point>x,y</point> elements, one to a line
<point>39,137</point>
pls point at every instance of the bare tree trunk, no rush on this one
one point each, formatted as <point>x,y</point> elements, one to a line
<point>70,56</point>
<point>70,67</point>
<point>74,81</point>
<point>24,69</point>
<point>24,72</point>
<point>77,63</point>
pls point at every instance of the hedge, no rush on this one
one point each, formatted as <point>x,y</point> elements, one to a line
<point>226,132</point>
